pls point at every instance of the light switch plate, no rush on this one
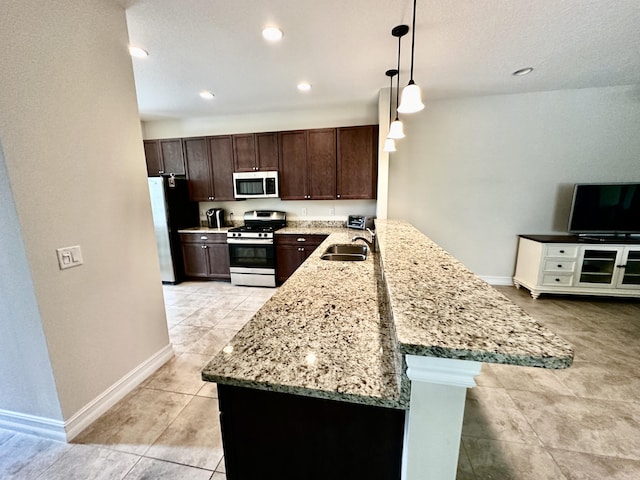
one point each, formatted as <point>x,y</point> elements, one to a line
<point>69,257</point>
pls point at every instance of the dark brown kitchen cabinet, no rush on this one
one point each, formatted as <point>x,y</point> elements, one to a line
<point>308,164</point>
<point>292,251</point>
<point>255,151</point>
<point>205,255</point>
<point>221,157</point>
<point>209,163</point>
<point>357,164</point>
<point>318,436</point>
<point>164,157</point>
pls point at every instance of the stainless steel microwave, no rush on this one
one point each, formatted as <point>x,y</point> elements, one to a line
<point>255,184</point>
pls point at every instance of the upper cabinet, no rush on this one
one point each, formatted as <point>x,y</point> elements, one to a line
<point>308,164</point>
<point>255,151</point>
<point>316,164</point>
<point>357,162</point>
<point>164,157</point>
<point>329,163</point>
<point>209,163</point>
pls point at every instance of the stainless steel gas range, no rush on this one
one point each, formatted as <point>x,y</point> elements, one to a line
<point>252,259</point>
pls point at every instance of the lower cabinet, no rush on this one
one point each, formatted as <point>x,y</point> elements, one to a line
<point>292,251</point>
<point>547,264</point>
<point>307,438</point>
<point>205,255</point>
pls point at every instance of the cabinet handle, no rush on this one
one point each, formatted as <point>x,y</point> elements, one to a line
<point>301,249</point>
<point>557,279</point>
<point>203,246</point>
<point>561,251</point>
<point>338,195</point>
<point>622,266</point>
<point>559,266</point>
<point>302,239</point>
<point>160,172</point>
<point>204,237</point>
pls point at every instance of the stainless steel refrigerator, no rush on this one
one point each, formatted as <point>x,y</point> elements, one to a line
<point>172,210</point>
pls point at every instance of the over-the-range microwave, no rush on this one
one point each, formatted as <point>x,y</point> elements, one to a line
<point>255,184</point>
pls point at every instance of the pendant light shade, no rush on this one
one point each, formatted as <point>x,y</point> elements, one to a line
<point>411,100</point>
<point>411,97</point>
<point>395,131</point>
<point>389,145</point>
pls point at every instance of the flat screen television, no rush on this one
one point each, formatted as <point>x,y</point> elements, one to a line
<point>605,209</point>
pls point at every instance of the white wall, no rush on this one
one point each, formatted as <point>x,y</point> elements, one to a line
<point>72,144</point>
<point>342,116</point>
<point>473,173</point>
<point>25,370</point>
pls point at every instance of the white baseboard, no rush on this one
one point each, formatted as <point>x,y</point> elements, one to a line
<point>67,430</point>
<point>491,280</point>
<point>33,425</point>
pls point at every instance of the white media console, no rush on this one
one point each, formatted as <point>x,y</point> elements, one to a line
<point>569,264</point>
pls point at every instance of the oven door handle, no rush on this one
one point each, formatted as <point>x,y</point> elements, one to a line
<point>252,241</point>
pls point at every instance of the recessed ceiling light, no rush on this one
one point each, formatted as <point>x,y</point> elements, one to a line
<point>138,52</point>
<point>207,95</point>
<point>272,34</point>
<point>304,86</point>
<point>522,71</point>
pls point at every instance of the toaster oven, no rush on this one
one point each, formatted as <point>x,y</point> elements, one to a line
<point>360,222</point>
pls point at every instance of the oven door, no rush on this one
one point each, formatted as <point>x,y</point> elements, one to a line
<point>252,262</point>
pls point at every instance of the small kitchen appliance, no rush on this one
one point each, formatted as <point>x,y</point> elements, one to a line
<point>215,217</point>
<point>360,222</point>
<point>252,259</point>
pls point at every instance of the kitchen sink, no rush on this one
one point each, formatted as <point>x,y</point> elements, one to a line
<point>345,252</point>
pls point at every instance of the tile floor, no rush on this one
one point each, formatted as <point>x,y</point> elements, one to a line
<point>520,423</point>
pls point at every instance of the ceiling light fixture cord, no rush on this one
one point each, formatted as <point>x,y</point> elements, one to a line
<point>413,40</point>
<point>396,128</point>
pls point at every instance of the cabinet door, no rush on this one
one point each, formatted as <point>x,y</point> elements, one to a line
<point>198,169</point>
<point>172,159</point>
<point>630,269</point>
<point>267,151</point>
<point>293,165</point>
<point>244,153</point>
<point>357,162</point>
<point>221,158</point>
<point>195,260</point>
<point>288,259</point>
<point>152,156</point>
<point>598,266</point>
<point>218,259</point>
<point>321,163</point>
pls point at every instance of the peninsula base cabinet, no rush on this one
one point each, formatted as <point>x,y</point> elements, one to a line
<point>205,255</point>
<point>292,251</point>
<point>567,264</point>
<point>307,438</point>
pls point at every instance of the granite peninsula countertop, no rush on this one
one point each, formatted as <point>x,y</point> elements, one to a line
<point>328,332</point>
<point>441,309</point>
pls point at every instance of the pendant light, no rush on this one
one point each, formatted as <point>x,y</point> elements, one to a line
<point>390,143</point>
<point>411,96</point>
<point>395,130</point>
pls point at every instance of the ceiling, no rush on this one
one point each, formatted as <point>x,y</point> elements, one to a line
<point>344,47</point>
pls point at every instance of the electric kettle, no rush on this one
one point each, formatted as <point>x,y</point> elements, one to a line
<point>215,217</point>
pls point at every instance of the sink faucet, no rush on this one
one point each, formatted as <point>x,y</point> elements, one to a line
<point>371,243</point>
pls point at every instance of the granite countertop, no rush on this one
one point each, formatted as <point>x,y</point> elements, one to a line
<point>336,330</point>
<point>204,230</point>
<point>320,335</point>
<point>441,309</point>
